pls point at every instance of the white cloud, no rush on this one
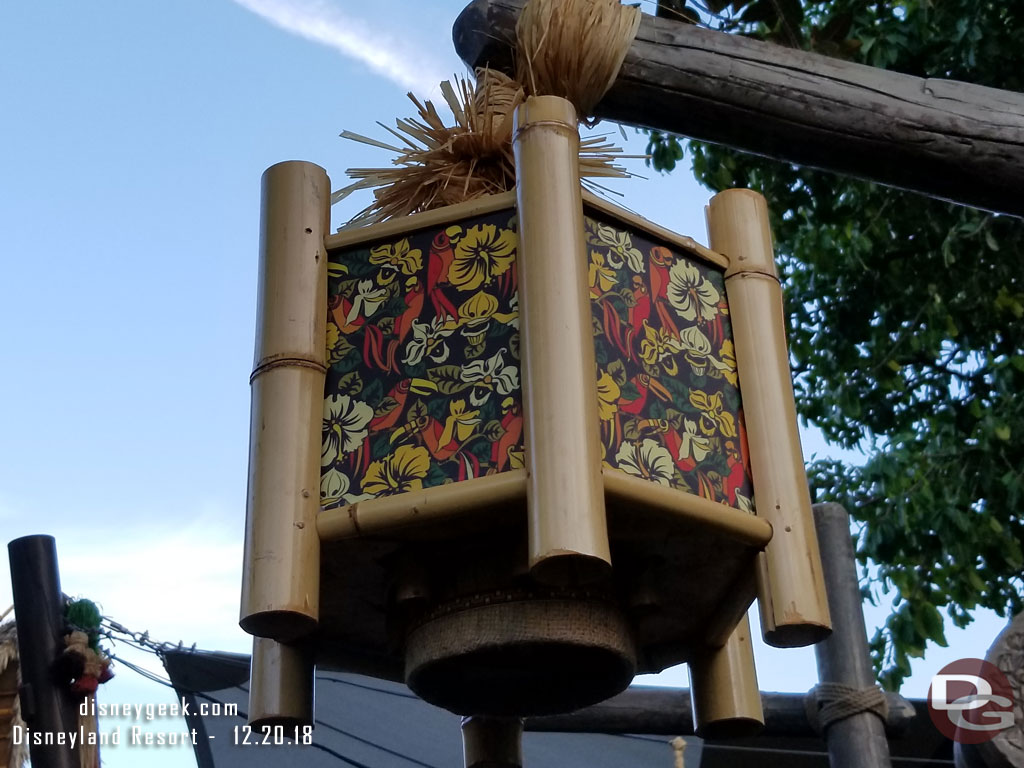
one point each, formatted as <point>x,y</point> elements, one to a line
<point>179,580</point>
<point>326,24</point>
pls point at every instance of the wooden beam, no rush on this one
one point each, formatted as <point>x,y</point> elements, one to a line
<point>943,138</point>
<point>651,710</point>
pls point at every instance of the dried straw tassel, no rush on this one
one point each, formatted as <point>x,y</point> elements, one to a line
<point>441,165</point>
<point>574,48</point>
<point>438,165</point>
<point>567,48</point>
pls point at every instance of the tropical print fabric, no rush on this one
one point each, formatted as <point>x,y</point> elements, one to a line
<point>423,352</point>
<point>668,394</point>
<point>423,386</point>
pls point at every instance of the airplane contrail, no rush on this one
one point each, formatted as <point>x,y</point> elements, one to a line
<point>326,24</point>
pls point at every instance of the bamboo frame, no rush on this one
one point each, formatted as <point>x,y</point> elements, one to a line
<point>568,533</point>
<point>724,693</point>
<point>733,523</point>
<point>353,236</point>
<point>492,742</point>
<point>794,607</point>
<point>466,504</point>
<point>346,238</point>
<point>281,685</point>
<point>281,576</point>
<point>683,242</point>
<point>408,513</point>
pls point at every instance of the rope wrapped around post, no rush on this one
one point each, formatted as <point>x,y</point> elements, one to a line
<point>828,703</point>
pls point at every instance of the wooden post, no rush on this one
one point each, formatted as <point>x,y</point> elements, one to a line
<point>857,741</point>
<point>280,685</point>
<point>794,609</point>
<point>723,689</point>
<point>565,496</point>
<point>492,742</point>
<point>943,138</point>
<point>46,707</point>
<point>281,577</point>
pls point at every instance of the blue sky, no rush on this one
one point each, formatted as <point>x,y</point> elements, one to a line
<point>132,139</point>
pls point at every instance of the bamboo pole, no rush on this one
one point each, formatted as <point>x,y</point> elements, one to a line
<point>794,608</point>
<point>455,506</point>
<point>280,585</point>
<point>492,742</point>
<point>568,532</point>
<point>281,685</point>
<point>723,689</point>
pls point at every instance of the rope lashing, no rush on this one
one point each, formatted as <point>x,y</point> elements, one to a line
<point>828,703</point>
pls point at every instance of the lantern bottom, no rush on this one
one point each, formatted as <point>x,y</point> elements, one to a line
<point>507,654</point>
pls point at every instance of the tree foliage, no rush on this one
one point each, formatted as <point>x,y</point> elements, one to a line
<point>906,322</point>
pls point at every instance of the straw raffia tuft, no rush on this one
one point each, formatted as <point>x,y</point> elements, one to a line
<point>442,165</point>
<point>573,48</point>
<point>567,48</point>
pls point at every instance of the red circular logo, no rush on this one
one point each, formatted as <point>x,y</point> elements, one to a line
<point>970,701</point>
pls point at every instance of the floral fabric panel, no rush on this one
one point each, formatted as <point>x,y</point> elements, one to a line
<point>668,394</point>
<point>423,352</point>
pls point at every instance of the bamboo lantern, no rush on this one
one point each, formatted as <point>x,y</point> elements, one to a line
<point>794,607</point>
<point>534,476</point>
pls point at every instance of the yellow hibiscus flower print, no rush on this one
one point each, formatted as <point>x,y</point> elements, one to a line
<point>602,277</point>
<point>713,418</point>
<point>608,394</point>
<point>658,346</point>
<point>482,254</point>
<point>726,362</point>
<point>394,258</point>
<point>402,471</point>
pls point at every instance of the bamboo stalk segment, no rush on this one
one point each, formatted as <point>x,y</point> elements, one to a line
<point>568,532</point>
<point>492,742</point>
<point>281,685</point>
<point>723,689</point>
<point>794,607</point>
<point>454,505</point>
<point>280,585</point>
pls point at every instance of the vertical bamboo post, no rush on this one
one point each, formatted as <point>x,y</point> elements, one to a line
<point>280,584</point>
<point>46,707</point>
<point>567,528</point>
<point>723,689</point>
<point>794,608</point>
<point>280,685</point>
<point>492,742</point>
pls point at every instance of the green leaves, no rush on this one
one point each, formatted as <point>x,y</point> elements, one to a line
<point>906,326</point>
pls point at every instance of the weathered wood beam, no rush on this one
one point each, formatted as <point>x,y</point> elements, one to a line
<point>641,709</point>
<point>946,139</point>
